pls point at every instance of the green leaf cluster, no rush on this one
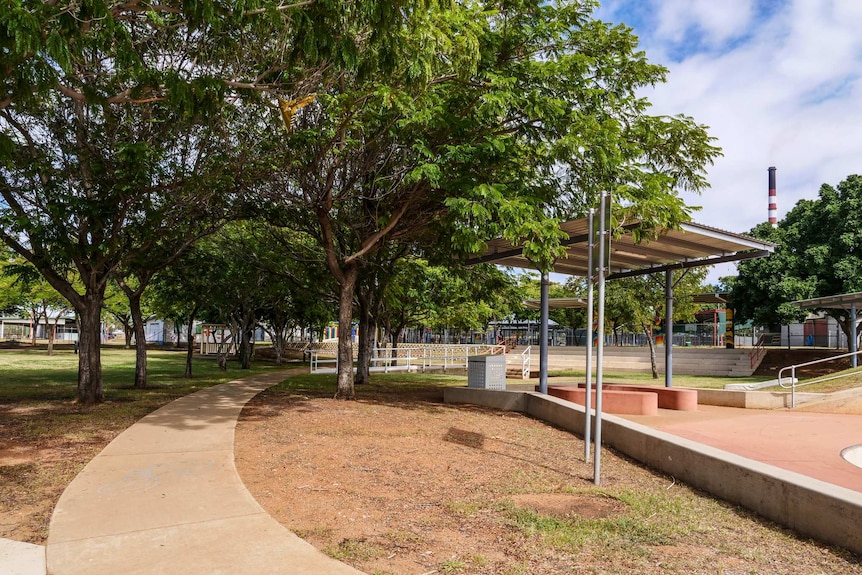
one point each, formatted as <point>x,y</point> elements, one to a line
<point>819,254</point>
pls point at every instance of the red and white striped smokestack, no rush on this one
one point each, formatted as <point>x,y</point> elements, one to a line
<point>773,199</point>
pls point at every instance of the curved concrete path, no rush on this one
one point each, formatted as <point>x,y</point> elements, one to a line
<point>165,497</point>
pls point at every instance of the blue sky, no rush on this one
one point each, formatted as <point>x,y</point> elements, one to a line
<point>778,82</point>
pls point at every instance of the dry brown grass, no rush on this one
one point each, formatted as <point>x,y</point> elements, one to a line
<point>398,482</point>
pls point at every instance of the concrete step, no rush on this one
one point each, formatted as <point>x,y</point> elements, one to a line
<point>688,361</point>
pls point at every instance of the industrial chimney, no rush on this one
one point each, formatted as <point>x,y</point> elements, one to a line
<point>773,200</point>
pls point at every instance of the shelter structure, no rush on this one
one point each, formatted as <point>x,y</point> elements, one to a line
<point>850,302</point>
<point>692,245</point>
<point>557,303</point>
<point>593,250</point>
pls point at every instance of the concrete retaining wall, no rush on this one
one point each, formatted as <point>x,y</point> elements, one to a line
<point>751,399</point>
<point>814,508</point>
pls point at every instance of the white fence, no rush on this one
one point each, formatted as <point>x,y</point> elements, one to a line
<point>410,357</point>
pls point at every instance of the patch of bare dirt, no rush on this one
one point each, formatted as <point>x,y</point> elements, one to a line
<point>399,483</point>
<point>567,505</point>
<point>35,471</point>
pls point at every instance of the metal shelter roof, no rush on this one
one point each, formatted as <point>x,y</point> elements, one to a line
<point>709,298</point>
<point>556,303</point>
<point>691,245</point>
<point>843,301</point>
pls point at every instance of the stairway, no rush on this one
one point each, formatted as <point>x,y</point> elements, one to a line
<point>686,360</point>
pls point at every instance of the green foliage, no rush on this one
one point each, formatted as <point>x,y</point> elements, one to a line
<point>127,131</point>
<point>640,301</point>
<point>464,299</point>
<point>819,254</point>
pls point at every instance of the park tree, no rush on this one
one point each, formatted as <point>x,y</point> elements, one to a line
<point>117,305</point>
<point>29,293</point>
<point>640,302</point>
<point>295,291</point>
<point>10,297</point>
<point>496,120</point>
<point>107,138</point>
<point>446,297</point>
<point>181,290</point>
<point>819,253</point>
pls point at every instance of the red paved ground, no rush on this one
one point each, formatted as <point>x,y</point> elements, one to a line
<point>807,443</point>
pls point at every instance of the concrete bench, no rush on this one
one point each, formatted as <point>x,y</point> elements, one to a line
<point>668,397</point>
<point>623,402</point>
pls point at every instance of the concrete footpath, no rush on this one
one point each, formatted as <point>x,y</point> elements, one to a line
<point>165,497</point>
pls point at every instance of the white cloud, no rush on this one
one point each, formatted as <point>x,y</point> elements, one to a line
<point>778,83</point>
<point>707,20</point>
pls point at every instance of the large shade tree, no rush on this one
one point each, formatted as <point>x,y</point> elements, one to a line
<point>496,119</point>
<point>640,301</point>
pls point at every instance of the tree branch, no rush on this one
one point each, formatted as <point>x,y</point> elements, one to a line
<point>281,8</point>
<point>368,245</point>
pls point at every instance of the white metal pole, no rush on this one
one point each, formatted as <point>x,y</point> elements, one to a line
<point>668,332</point>
<point>852,338</point>
<point>589,360</point>
<point>543,335</point>
<point>600,350</point>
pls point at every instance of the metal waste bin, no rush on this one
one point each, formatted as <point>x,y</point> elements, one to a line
<point>486,371</point>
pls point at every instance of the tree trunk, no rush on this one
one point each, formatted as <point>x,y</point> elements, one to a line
<point>140,340</point>
<point>347,287</point>
<point>366,338</point>
<point>278,342</point>
<point>279,353</point>
<point>190,338</point>
<point>52,330</point>
<point>89,351</point>
<point>34,327</point>
<point>652,358</point>
<point>395,337</point>
<point>246,347</point>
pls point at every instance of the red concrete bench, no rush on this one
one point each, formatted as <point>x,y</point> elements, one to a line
<point>622,402</point>
<point>668,397</point>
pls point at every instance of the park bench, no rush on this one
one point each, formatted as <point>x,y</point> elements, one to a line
<point>622,402</point>
<point>668,397</point>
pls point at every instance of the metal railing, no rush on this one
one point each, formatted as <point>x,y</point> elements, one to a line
<point>316,361</point>
<point>759,350</point>
<point>794,383</point>
<point>386,359</point>
<point>526,359</point>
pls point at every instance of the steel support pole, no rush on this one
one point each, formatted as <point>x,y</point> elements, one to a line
<point>600,348</point>
<point>852,338</point>
<point>543,335</point>
<point>589,361</point>
<point>668,332</point>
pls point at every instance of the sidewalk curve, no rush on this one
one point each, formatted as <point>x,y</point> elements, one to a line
<point>164,497</point>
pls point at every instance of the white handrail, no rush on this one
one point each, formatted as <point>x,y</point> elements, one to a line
<point>316,361</point>
<point>451,355</point>
<point>794,383</point>
<point>526,362</point>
